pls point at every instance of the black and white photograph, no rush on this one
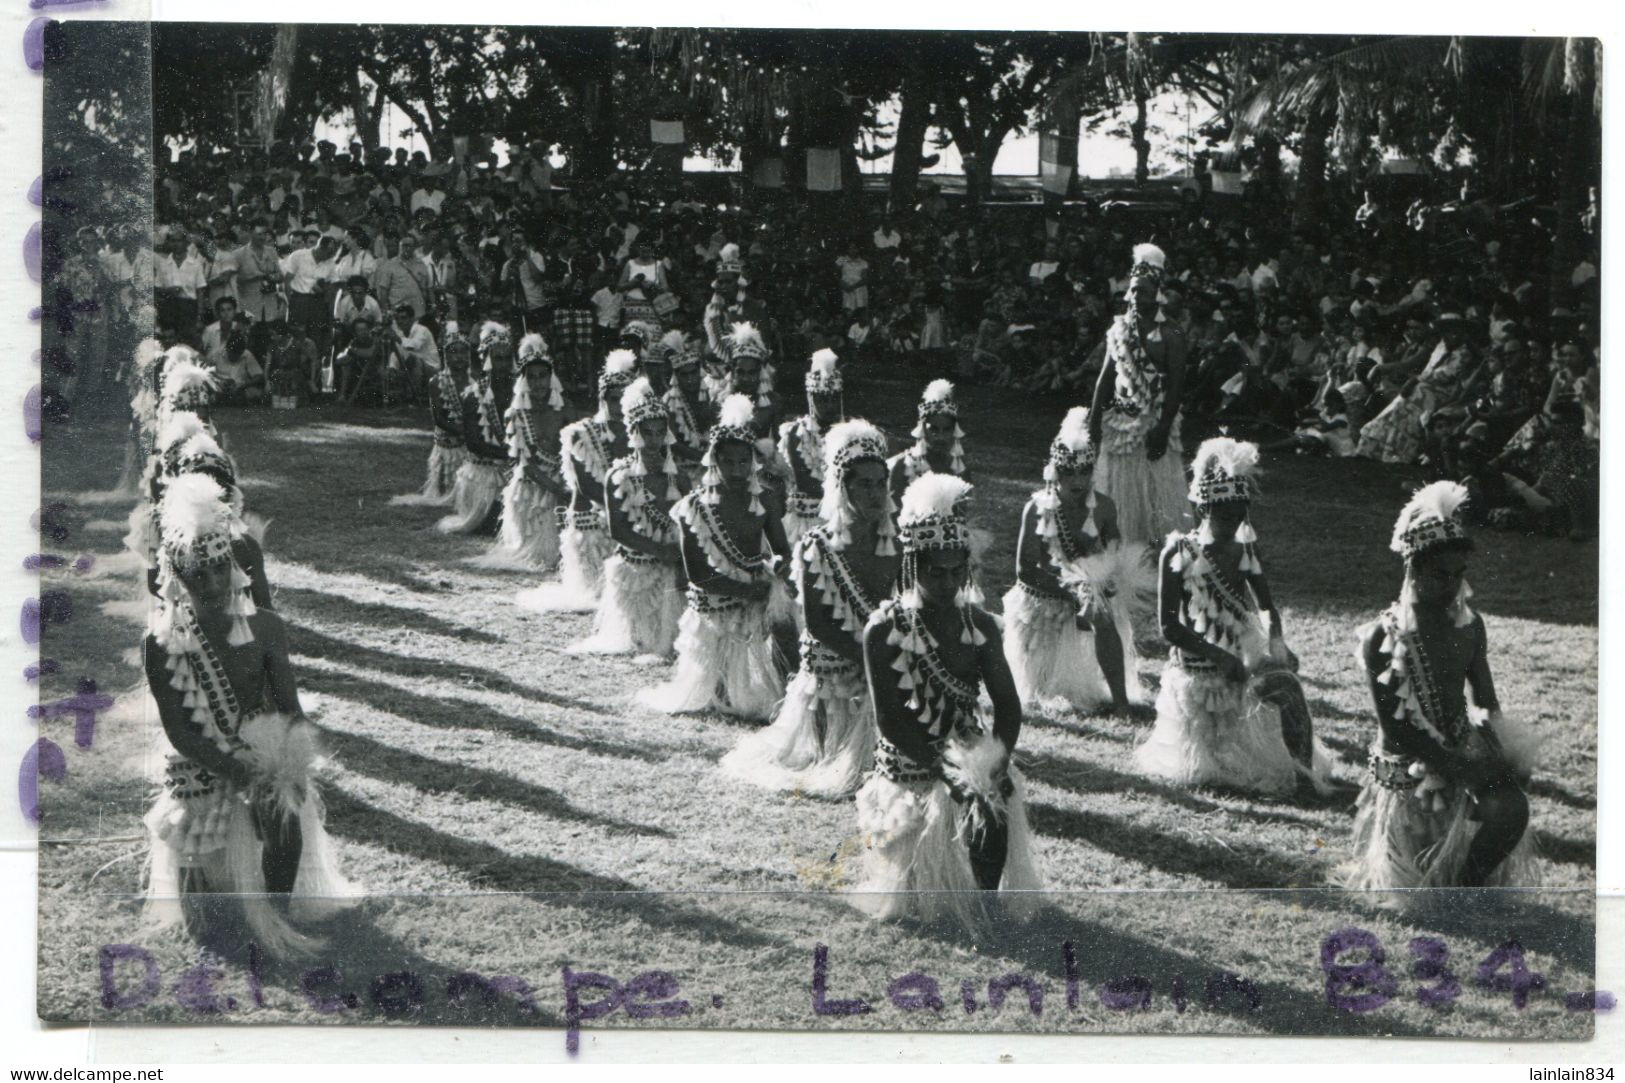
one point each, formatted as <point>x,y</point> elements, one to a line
<point>1018,531</point>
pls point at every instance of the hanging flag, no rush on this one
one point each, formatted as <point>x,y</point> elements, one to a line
<point>823,169</point>
<point>666,131</point>
<point>768,173</point>
<point>1056,179</point>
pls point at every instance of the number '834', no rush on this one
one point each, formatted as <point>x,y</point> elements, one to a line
<point>1368,984</point>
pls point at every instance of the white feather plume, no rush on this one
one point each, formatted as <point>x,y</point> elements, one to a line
<point>1151,254</point>
<point>1232,458</point>
<point>194,507</point>
<point>1439,501</point>
<point>674,340</point>
<point>619,362</point>
<point>938,391</point>
<point>532,345</point>
<point>182,373</point>
<point>825,360</point>
<point>637,392</point>
<point>745,335</point>
<point>178,428</point>
<point>844,433</point>
<point>491,329</point>
<point>1074,432</point>
<point>147,352</point>
<point>933,494</point>
<point>729,253</point>
<point>737,412</point>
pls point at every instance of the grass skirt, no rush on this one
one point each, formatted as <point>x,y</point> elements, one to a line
<point>822,740</point>
<point>475,497</point>
<point>1213,731</point>
<point>916,862</point>
<point>1150,496</point>
<point>582,554</point>
<point>1401,843</point>
<point>440,487</point>
<point>529,537</point>
<point>1053,660</point>
<point>725,657</point>
<point>210,840</point>
<point>638,611</point>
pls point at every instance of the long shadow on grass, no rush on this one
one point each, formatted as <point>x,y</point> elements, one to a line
<point>457,674</point>
<point>458,714</point>
<point>1232,865</point>
<point>365,756</point>
<point>1566,850</point>
<point>490,868</point>
<point>1082,777</point>
<point>1552,792</point>
<point>373,615</point>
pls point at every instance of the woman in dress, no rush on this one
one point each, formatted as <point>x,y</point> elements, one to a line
<point>822,737</point>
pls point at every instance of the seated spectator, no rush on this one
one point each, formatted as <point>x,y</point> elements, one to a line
<point>291,361</point>
<point>360,365</point>
<point>241,380</point>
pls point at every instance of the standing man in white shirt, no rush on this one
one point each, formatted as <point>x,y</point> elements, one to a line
<point>178,275</point>
<point>303,276</point>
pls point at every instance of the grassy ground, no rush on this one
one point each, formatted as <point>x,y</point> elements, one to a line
<point>510,810</point>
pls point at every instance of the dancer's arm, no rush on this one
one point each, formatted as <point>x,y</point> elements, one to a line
<point>806,482</point>
<point>699,572</point>
<point>185,735</point>
<point>892,717</point>
<point>1030,552</point>
<point>1156,441</point>
<point>997,679</point>
<point>1174,630</point>
<point>622,532</point>
<point>1407,739</point>
<point>251,559</point>
<point>273,636</point>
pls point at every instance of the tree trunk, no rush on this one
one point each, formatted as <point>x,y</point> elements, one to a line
<point>364,112</point>
<point>1142,148</point>
<point>910,145</point>
<point>596,98</point>
<point>1067,116</point>
<point>1311,192</point>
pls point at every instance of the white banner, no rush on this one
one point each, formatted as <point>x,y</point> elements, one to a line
<point>666,131</point>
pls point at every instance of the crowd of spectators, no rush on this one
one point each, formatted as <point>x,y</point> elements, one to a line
<point>1418,331</point>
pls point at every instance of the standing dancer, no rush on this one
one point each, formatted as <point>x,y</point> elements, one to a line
<point>449,453</point>
<point>1136,403</point>
<point>1073,582</point>
<point>736,595</point>
<point>688,405</point>
<point>801,446</point>
<point>643,579</point>
<point>1444,804</point>
<point>528,539</point>
<point>477,494</point>
<point>938,446</point>
<point>822,738</point>
<point>944,813</point>
<point>239,813</point>
<point>1219,713</point>
<point>587,448</point>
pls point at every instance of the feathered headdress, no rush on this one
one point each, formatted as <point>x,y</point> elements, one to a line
<point>492,334</point>
<point>733,424</point>
<point>620,369</point>
<point>639,403</point>
<point>746,341</point>
<point>822,375</point>
<point>533,351</point>
<point>199,526</point>
<point>1432,518</point>
<point>1071,452</point>
<point>939,399</point>
<point>933,518</point>
<point>187,385</point>
<point>1149,262</point>
<point>1225,471</point>
<point>846,444</point>
<point>645,332</point>
<point>728,261</point>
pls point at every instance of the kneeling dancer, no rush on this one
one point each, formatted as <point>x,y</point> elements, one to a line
<point>732,551</point>
<point>477,493</point>
<point>1444,804</point>
<point>239,813</point>
<point>643,578</point>
<point>1229,673</point>
<point>822,737</point>
<point>529,535</point>
<point>448,453</point>
<point>1075,581</point>
<point>801,445</point>
<point>944,812</point>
